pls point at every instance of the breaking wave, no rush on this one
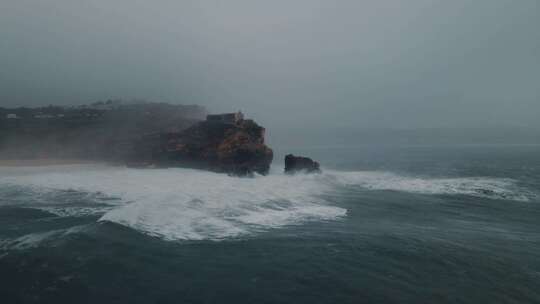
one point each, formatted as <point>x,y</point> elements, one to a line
<point>185,204</point>
<point>487,187</point>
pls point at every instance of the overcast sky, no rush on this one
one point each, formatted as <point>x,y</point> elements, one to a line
<point>331,63</point>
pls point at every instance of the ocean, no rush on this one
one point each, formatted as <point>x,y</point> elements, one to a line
<point>381,224</point>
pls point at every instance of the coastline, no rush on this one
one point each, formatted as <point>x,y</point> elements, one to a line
<point>44,162</point>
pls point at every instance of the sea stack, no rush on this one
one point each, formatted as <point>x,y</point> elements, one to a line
<point>294,164</point>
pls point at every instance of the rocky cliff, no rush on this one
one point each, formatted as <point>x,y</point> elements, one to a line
<point>139,134</point>
<point>235,148</point>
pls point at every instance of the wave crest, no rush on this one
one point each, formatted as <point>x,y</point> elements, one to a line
<point>185,204</point>
<point>487,187</point>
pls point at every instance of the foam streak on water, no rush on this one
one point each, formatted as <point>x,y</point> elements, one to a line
<point>184,204</point>
<point>189,204</point>
<point>487,187</point>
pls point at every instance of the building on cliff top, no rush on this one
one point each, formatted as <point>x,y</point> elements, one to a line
<point>226,118</point>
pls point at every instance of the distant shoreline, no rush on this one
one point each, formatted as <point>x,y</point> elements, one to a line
<point>44,162</point>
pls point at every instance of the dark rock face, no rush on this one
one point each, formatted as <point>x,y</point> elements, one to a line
<point>234,148</point>
<point>295,164</point>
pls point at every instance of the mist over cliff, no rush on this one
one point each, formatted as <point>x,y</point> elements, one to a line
<point>309,64</point>
<point>102,130</point>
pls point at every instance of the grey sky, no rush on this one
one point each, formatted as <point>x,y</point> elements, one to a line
<point>370,63</point>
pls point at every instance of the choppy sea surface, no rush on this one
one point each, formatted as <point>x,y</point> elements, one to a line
<point>381,224</point>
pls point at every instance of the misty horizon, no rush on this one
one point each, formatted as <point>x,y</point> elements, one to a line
<point>342,64</point>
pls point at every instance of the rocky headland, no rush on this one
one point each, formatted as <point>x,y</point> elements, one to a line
<point>139,134</point>
<point>225,143</point>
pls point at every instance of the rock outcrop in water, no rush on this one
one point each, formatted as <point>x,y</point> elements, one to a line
<point>221,143</point>
<point>295,164</point>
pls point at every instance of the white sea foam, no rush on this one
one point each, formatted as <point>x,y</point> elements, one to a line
<point>489,187</point>
<point>33,240</point>
<point>189,204</point>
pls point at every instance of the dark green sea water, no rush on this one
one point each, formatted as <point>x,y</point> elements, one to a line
<point>385,224</point>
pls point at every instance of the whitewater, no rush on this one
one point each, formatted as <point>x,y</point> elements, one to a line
<point>185,204</point>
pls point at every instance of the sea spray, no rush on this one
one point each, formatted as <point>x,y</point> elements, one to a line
<point>186,204</point>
